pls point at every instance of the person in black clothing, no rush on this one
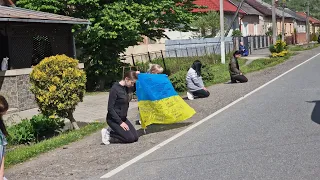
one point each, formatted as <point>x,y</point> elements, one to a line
<point>235,73</point>
<point>121,128</point>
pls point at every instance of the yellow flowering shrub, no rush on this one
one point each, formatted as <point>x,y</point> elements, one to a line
<point>58,85</point>
<point>280,54</point>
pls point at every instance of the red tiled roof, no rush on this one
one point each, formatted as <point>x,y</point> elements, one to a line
<point>311,19</point>
<point>214,5</point>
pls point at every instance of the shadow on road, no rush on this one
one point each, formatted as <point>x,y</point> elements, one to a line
<point>315,116</point>
<point>154,128</point>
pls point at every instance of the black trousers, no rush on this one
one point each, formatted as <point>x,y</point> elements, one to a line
<point>119,133</point>
<point>240,78</point>
<point>201,93</point>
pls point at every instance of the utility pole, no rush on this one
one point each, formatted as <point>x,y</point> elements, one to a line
<point>308,24</point>
<point>283,6</point>
<point>222,47</point>
<point>274,23</point>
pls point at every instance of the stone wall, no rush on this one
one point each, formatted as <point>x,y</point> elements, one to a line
<point>16,89</point>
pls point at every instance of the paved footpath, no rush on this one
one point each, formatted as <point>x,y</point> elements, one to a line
<point>88,159</point>
<point>93,108</point>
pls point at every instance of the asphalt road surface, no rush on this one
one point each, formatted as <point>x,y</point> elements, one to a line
<point>272,134</point>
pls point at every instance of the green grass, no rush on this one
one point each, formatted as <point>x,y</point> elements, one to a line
<point>19,154</point>
<point>221,73</point>
<point>174,65</point>
<point>302,48</point>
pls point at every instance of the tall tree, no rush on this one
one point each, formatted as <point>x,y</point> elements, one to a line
<point>116,25</point>
<point>208,23</point>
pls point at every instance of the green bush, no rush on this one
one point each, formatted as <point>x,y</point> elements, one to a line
<point>36,129</point>
<point>178,81</point>
<point>207,74</point>
<point>278,47</point>
<point>21,133</point>
<point>58,85</point>
<point>314,37</point>
<point>45,127</point>
<point>272,49</point>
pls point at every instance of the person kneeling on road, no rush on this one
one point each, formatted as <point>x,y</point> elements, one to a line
<point>235,73</point>
<point>121,129</point>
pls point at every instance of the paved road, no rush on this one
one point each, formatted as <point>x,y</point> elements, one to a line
<point>272,134</point>
<point>87,159</point>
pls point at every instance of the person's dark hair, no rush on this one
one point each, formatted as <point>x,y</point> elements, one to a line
<point>4,106</point>
<point>132,75</point>
<point>197,67</point>
<point>236,53</point>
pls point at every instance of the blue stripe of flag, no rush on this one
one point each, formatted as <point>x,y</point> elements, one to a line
<point>153,87</point>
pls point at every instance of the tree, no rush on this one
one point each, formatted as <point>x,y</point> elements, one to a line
<point>58,85</point>
<point>205,22</point>
<point>116,25</point>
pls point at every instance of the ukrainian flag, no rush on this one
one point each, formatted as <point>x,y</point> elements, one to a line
<point>158,102</point>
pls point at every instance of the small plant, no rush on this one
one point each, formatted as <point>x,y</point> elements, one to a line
<point>272,49</point>
<point>58,85</point>
<point>236,33</point>
<point>269,32</point>
<point>39,127</point>
<point>21,133</point>
<point>314,37</point>
<point>45,127</point>
<point>281,54</point>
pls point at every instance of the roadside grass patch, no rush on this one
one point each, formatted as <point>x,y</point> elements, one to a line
<point>22,153</point>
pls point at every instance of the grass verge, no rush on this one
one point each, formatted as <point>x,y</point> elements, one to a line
<point>21,154</point>
<point>221,73</point>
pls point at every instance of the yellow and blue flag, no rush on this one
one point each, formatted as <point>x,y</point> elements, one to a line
<point>158,102</point>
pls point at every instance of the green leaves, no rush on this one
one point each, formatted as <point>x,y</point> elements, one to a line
<point>207,22</point>
<point>116,25</point>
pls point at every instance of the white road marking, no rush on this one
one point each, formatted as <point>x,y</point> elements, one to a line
<point>134,160</point>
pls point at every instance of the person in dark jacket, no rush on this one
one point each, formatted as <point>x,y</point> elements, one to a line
<point>319,39</point>
<point>121,129</point>
<point>235,73</point>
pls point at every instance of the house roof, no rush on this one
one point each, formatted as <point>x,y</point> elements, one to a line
<point>311,19</point>
<point>261,8</point>
<point>214,5</point>
<point>248,9</point>
<point>25,15</point>
<point>278,11</point>
<point>295,15</point>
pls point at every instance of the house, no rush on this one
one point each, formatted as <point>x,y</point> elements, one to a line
<point>299,27</point>
<point>26,37</point>
<point>228,8</point>
<point>314,23</point>
<point>265,20</point>
<point>288,19</point>
<point>251,23</point>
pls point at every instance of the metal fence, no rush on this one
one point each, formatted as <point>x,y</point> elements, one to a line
<point>196,51</point>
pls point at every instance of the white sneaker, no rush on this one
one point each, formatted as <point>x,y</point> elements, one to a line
<point>105,134</point>
<point>190,96</point>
